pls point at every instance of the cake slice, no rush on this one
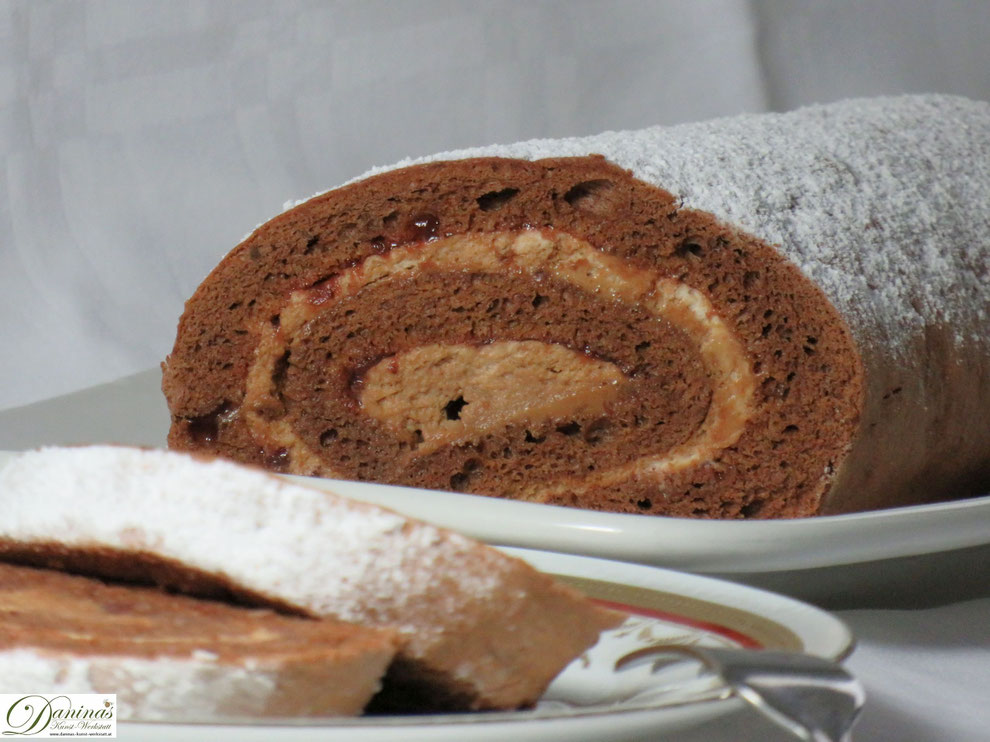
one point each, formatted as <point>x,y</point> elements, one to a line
<point>764,316</point>
<point>169,657</point>
<point>478,629</point>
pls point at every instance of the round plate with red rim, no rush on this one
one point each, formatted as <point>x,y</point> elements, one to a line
<point>625,687</point>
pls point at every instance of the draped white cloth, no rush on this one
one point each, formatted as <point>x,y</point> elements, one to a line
<point>926,672</point>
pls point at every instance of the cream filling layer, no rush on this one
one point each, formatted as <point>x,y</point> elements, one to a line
<point>445,394</point>
<point>536,253</point>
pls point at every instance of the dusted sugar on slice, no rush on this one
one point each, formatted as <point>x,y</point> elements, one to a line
<point>173,658</point>
<point>764,316</point>
<point>477,629</point>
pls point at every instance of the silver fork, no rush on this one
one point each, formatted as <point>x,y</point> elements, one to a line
<point>815,699</point>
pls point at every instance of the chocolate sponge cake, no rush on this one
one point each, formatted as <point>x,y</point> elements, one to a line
<point>475,628</point>
<point>174,658</point>
<point>763,316</point>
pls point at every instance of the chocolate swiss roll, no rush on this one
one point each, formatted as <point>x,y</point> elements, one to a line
<point>471,628</point>
<point>174,658</point>
<point>764,316</point>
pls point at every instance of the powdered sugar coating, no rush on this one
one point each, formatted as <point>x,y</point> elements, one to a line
<point>159,689</point>
<point>196,687</point>
<point>302,546</point>
<point>881,202</point>
<point>457,602</point>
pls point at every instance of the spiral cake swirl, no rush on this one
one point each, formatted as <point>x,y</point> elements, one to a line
<point>693,336</point>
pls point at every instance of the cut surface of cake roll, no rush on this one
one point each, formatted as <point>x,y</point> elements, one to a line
<point>169,657</point>
<point>476,629</point>
<point>762,316</point>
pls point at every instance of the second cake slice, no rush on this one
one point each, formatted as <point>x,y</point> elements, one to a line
<point>175,658</point>
<point>479,629</point>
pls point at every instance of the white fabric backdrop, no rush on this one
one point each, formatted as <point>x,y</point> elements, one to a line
<point>139,141</point>
<point>926,672</point>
